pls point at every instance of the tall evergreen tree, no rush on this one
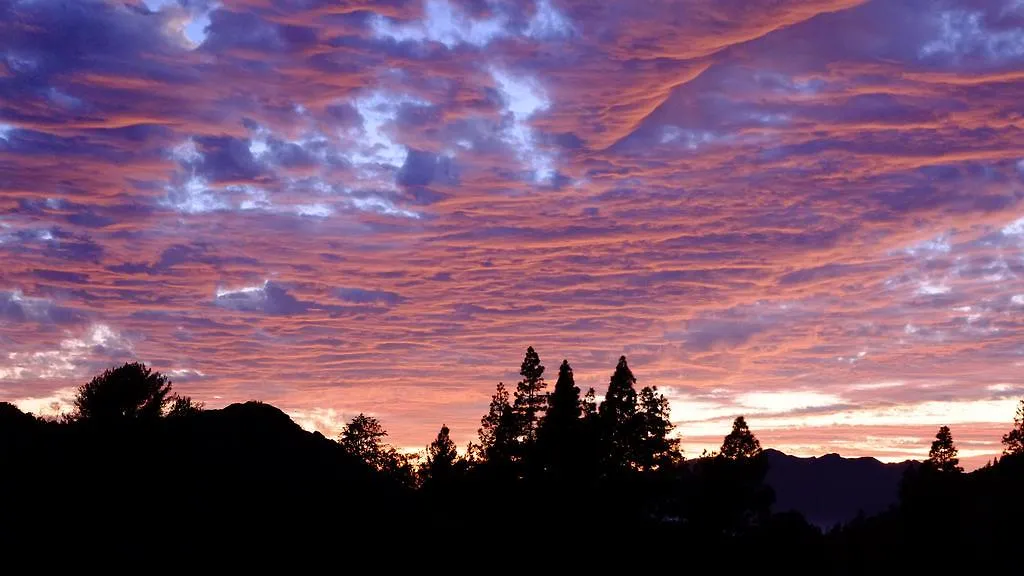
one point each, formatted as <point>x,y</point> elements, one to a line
<point>564,406</point>
<point>741,443</point>
<point>498,428</point>
<point>943,454</point>
<point>1014,439</point>
<point>617,416</point>
<point>560,428</point>
<point>530,400</point>
<point>654,446</point>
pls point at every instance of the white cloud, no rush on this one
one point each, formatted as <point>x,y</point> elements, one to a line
<point>66,360</point>
<point>61,401</point>
<point>382,206</point>
<point>158,5</point>
<point>1015,228</point>
<point>179,374</point>
<point>523,98</point>
<point>5,129</point>
<point>785,401</point>
<point>548,22</point>
<point>256,291</point>
<point>315,210</point>
<point>692,139</point>
<point>932,289</point>
<point>187,23</point>
<point>938,245</point>
<point>1017,300</point>
<point>378,110</point>
<point>194,197</point>
<point>962,33</point>
<point>443,23</point>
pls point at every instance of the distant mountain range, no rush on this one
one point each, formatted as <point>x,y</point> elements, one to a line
<point>830,489</point>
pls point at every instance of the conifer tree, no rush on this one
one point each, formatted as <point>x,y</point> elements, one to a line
<point>654,446</point>
<point>617,416</point>
<point>497,431</point>
<point>441,459</point>
<point>943,454</point>
<point>530,400</point>
<point>560,429</point>
<point>564,406</point>
<point>1014,439</point>
<point>741,443</point>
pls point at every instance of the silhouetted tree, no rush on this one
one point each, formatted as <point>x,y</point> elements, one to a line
<point>943,454</point>
<point>497,431</point>
<point>183,406</point>
<point>560,428</point>
<point>740,443</point>
<point>617,417</point>
<point>441,459</point>
<point>654,447</point>
<point>530,402</point>
<point>363,437</point>
<point>589,407</point>
<point>128,392</point>
<point>1014,439</point>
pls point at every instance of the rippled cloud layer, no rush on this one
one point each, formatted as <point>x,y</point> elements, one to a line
<point>808,211</point>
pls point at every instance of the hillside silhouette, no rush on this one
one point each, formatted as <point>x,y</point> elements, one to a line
<point>553,469</point>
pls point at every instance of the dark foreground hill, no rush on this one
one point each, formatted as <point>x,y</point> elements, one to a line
<point>830,489</point>
<point>246,471</point>
<point>247,480</point>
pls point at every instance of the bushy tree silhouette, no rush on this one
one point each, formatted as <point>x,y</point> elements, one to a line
<point>1014,439</point>
<point>740,443</point>
<point>363,437</point>
<point>129,392</point>
<point>181,406</point>
<point>943,454</point>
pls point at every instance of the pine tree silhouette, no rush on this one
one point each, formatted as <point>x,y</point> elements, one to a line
<point>498,428</point>
<point>530,402</point>
<point>617,417</point>
<point>740,443</point>
<point>943,454</point>
<point>1014,439</point>
<point>559,432</point>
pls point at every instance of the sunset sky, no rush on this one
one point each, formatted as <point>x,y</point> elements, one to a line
<point>810,212</point>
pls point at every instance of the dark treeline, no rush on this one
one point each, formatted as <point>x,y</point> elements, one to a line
<point>554,473</point>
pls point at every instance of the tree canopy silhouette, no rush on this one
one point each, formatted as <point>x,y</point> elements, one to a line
<point>129,392</point>
<point>497,433</point>
<point>943,454</point>
<point>363,437</point>
<point>617,417</point>
<point>740,443</point>
<point>442,457</point>
<point>530,402</point>
<point>1014,439</point>
<point>613,468</point>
